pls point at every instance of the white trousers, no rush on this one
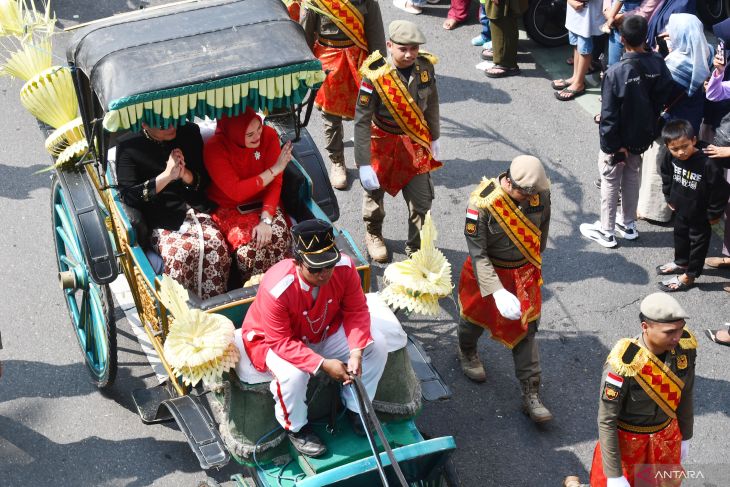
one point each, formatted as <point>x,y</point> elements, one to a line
<point>289,386</point>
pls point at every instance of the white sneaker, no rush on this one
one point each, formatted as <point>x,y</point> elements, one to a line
<point>594,232</point>
<point>629,232</point>
<point>407,6</point>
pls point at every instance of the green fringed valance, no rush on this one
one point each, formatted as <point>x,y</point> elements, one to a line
<point>263,90</point>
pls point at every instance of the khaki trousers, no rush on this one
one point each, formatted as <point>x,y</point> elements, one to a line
<point>333,135</point>
<point>625,178</point>
<point>504,40</point>
<point>418,194</point>
<point>525,354</point>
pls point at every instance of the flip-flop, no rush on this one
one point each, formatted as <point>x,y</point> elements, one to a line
<point>597,118</point>
<point>717,262</point>
<point>559,84</point>
<point>712,335</point>
<point>487,53</point>
<point>669,268</point>
<point>666,286</point>
<point>572,94</point>
<point>501,72</point>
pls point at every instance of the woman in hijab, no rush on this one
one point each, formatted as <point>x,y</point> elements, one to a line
<point>160,172</point>
<point>689,61</point>
<point>245,162</point>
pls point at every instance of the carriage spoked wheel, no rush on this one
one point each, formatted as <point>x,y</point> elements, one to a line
<point>90,305</point>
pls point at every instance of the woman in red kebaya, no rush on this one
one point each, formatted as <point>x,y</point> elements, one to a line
<point>245,162</point>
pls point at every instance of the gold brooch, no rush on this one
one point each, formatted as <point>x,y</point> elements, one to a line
<point>681,362</point>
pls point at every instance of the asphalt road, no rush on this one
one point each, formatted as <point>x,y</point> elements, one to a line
<point>55,427</point>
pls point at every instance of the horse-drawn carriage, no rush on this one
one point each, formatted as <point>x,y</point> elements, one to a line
<point>193,61</point>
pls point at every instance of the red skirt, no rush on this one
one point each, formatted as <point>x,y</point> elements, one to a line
<point>524,282</point>
<point>338,93</point>
<point>648,460</point>
<point>396,159</point>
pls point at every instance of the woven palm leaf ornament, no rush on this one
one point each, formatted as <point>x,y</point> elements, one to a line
<point>199,345</point>
<point>416,284</point>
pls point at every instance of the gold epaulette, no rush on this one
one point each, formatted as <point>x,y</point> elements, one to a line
<point>627,358</point>
<point>431,58</point>
<point>480,197</point>
<point>688,340</point>
<point>375,66</point>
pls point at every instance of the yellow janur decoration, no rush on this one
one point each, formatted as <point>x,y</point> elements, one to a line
<point>418,283</point>
<point>199,345</point>
<point>21,18</point>
<point>50,97</point>
<point>65,136</point>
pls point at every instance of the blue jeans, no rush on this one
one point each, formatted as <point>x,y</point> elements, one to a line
<point>584,45</point>
<point>486,33</point>
<point>615,47</point>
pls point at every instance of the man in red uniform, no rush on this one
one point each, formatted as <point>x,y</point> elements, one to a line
<point>310,314</point>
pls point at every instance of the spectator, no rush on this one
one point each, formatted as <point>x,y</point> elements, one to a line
<point>503,16</point>
<point>696,190</point>
<point>583,20</point>
<point>634,92</point>
<point>414,7</point>
<point>484,39</point>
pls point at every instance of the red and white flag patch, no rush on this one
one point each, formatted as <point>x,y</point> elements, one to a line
<point>366,87</point>
<point>472,214</point>
<point>614,379</point>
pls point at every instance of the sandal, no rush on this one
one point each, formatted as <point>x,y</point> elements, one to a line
<point>498,71</point>
<point>712,335</point>
<point>597,118</point>
<point>669,268</point>
<point>559,84</point>
<point>717,262</point>
<point>567,94</point>
<point>450,24</point>
<point>572,481</point>
<point>487,54</point>
<point>674,285</point>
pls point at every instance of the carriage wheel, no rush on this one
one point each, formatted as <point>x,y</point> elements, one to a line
<point>450,474</point>
<point>90,305</point>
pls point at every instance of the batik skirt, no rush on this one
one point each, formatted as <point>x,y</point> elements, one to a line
<point>238,228</point>
<point>195,255</point>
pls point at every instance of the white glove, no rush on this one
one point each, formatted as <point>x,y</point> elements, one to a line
<point>684,451</point>
<point>507,304</point>
<point>436,149</point>
<point>617,482</point>
<point>368,178</point>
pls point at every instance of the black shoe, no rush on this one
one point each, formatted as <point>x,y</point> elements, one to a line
<point>356,423</point>
<point>307,442</point>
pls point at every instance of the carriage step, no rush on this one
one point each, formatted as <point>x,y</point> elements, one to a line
<point>200,430</point>
<point>150,403</point>
<point>433,387</point>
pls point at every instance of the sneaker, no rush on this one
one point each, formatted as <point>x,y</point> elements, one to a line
<point>629,232</point>
<point>478,41</point>
<point>594,232</point>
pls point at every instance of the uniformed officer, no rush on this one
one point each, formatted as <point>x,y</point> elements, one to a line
<point>506,231</point>
<point>645,411</point>
<point>341,40</point>
<point>396,134</point>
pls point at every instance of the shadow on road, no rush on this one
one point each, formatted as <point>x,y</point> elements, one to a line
<point>10,175</point>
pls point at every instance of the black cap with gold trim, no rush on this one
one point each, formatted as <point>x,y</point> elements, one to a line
<point>314,241</point>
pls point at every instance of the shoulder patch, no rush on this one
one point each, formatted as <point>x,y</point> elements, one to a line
<point>344,261</point>
<point>471,226</point>
<point>431,58</point>
<point>282,285</point>
<point>688,340</point>
<point>487,189</point>
<point>480,197</point>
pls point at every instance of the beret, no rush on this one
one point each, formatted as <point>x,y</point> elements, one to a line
<point>528,174</point>
<point>405,33</point>
<point>662,308</point>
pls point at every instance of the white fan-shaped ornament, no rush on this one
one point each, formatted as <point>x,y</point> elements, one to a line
<point>416,284</point>
<point>199,345</point>
<point>65,136</point>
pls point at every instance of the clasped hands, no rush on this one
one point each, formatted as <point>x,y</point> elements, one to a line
<point>340,372</point>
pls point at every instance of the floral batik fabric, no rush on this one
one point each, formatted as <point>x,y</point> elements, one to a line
<point>238,228</point>
<point>195,255</point>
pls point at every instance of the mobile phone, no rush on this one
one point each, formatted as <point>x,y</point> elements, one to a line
<point>721,50</point>
<point>661,42</point>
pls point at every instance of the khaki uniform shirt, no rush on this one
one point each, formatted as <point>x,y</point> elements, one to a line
<point>422,88</point>
<point>491,242</point>
<point>630,404</point>
<point>316,25</point>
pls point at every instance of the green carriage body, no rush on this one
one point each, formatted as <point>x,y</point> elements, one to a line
<point>173,65</point>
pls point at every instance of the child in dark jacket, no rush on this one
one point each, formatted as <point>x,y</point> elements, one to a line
<point>696,190</point>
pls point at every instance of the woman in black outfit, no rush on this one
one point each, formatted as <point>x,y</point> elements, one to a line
<point>161,173</point>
